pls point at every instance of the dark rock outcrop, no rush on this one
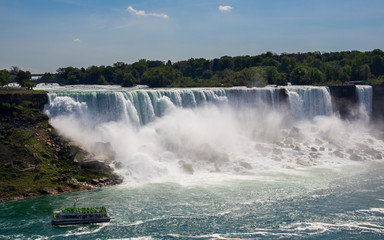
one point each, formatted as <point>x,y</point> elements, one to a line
<point>344,100</point>
<point>378,103</point>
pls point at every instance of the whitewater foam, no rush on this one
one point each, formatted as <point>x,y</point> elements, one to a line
<point>170,134</point>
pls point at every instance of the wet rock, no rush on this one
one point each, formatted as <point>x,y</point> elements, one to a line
<point>303,163</point>
<point>245,165</point>
<point>355,157</point>
<point>104,180</point>
<point>367,150</point>
<point>186,167</point>
<point>95,164</point>
<point>118,165</point>
<point>294,133</point>
<point>32,194</point>
<point>350,151</point>
<point>314,155</point>
<point>338,153</point>
<point>48,190</point>
<point>95,181</point>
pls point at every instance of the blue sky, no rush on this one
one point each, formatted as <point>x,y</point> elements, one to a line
<point>43,35</point>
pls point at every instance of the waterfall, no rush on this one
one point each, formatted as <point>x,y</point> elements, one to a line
<point>170,133</point>
<point>141,107</point>
<point>309,102</point>
<point>364,98</point>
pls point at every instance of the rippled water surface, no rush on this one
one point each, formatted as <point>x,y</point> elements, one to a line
<point>316,204</point>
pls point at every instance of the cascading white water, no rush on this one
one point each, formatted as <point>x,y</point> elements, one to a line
<point>364,97</point>
<point>309,102</point>
<point>143,106</point>
<point>179,134</point>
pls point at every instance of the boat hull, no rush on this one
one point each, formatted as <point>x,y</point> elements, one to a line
<point>79,221</point>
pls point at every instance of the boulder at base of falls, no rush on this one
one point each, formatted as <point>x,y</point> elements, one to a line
<point>303,163</point>
<point>186,167</point>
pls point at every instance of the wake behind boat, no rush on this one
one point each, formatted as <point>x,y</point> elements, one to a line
<point>84,215</point>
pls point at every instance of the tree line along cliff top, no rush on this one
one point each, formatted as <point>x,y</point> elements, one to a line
<point>313,68</point>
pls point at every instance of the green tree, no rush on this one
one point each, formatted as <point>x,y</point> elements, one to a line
<point>224,78</point>
<point>5,77</point>
<point>224,63</point>
<point>377,81</point>
<point>14,70</point>
<point>287,64</point>
<point>239,63</point>
<point>128,80</point>
<point>139,68</point>
<point>252,77</point>
<point>299,76</point>
<point>377,65</point>
<point>24,79</point>
<point>48,77</point>
<point>101,80</point>
<point>269,61</point>
<point>273,76</point>
<point>71,75</point>
<point>160,76</point>
<point>207,74</point>
<point>333,73</point>
<point>365,72</point>
<point>316,76</point>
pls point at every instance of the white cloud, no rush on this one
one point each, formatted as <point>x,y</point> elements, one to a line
<point>143,13</point>
<point>225,8</point>
<point>76,40</point>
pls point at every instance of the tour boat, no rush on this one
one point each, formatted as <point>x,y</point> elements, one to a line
<point>84,215</point>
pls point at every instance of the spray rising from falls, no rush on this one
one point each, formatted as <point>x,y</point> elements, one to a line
<point>178,134</point>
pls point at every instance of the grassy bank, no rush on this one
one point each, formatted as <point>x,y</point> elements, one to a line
<point>34,159</point>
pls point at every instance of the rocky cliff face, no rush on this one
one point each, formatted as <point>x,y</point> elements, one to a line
<point>344,99</point>
<point>34,159</point>
<point>378,103</point>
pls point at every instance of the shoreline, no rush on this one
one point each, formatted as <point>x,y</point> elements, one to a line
<point>51,191</point>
